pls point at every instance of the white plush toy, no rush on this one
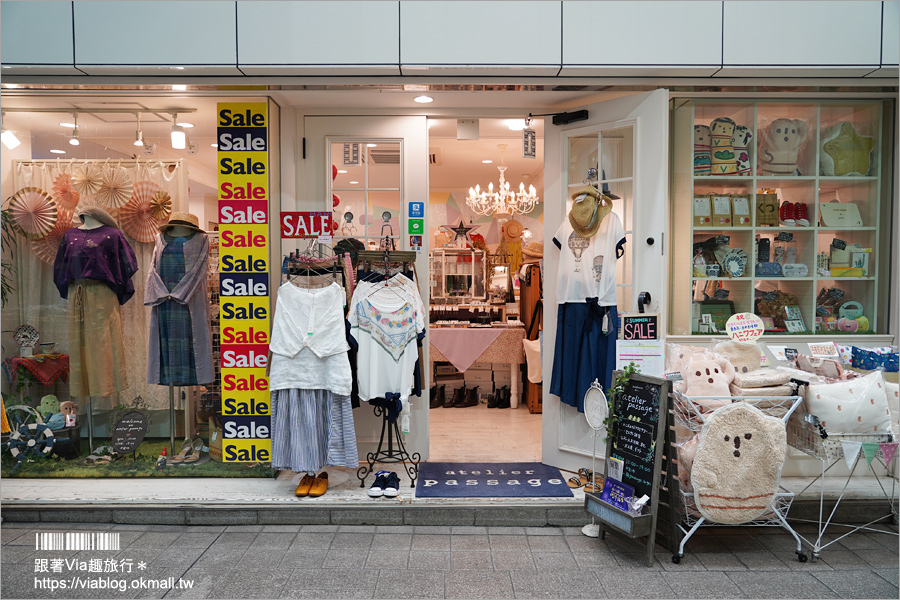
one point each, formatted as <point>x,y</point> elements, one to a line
<point>781,145</point>
<point>723,159</point>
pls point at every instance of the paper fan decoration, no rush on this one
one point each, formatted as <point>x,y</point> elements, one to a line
<point>87,179</point>
<point>34,211</point>
<point>137,216</point>
<point>115,190</point>
<point>161,205</point>
<point>64,192</point>
<point>46,247</point>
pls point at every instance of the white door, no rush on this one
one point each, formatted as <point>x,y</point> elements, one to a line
<point>626,140</point>
<point>382,166</point>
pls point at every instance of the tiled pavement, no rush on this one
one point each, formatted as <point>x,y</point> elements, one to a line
<point>331,561</point>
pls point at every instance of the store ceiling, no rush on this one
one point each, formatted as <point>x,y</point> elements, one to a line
<point>111,135</point>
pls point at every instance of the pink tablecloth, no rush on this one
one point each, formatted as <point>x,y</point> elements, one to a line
<point>463,346</point>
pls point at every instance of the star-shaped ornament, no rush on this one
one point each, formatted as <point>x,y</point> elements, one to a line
<point>462,232</point>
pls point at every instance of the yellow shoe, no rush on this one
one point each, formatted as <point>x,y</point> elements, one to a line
<point>304,485</point>
<point>319,486</point>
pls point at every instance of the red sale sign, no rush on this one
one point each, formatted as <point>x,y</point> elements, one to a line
<point>305,224</point>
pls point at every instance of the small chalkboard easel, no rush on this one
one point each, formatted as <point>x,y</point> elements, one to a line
<point>638,438</point>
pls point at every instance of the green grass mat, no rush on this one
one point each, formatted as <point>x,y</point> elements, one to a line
<point>143,465</point>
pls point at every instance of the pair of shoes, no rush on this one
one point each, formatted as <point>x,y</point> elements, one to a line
<point>493,399</point>
<point>468,397</point>
<point>387,483</point>
<point>791,214</point>
<point>190,452</point>
<point>312,486</point>
<point>503,396</point>
<point>457,396</point>
<point>801,215</point>
<point>438,396</point>
<point>584,476</point>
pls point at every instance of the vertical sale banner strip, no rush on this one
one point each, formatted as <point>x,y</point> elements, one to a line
<point>243,164</point>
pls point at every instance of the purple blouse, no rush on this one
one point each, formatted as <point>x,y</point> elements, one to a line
<point>102,253</point>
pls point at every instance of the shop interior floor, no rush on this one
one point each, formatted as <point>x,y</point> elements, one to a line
<point>482,434</point>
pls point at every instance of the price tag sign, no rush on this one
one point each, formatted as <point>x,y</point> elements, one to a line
<point>723,240</point>
<point>839,244</point>
<point>744,327</point>
<point>785,236</point>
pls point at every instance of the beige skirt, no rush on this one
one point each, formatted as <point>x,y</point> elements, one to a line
<point>96,345</point>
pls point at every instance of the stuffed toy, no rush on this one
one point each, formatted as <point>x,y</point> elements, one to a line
<point>711,378</point>
<point>844,151</point>
<point>49,405</point>
<point>737,467</point>
<point>743,356</point>
<point>740,140</point>
<point>781,144</point>
<point>68,408</point>
<point>702,148</point>
<point>58,420</point>
<point>723,162</point>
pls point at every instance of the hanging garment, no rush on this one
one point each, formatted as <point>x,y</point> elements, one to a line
<point>179,321</point>
<point>96,346</point>
<point>102,254</point>
<point>587,266</point>
<point>311,429</point>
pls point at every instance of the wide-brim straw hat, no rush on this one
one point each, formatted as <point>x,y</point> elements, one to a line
<point>534,250</point>
<point>589,208</point>
<point>512,230</point>
<point>182,219</point>
<point>98,213</point>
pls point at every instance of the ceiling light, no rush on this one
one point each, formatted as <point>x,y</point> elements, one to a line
<point>353,182</point>
<point>9,139</point>
<point>68,124</point>
<point>516,124</point>
<point>179,138</point>
<point>214,145</point>
<point>178,87</point>
<point>423,99</point>
<point>371,145</point>
<point>138,134</point>
<point>503,201</point>
<point>55,151</point>
<point>342,170</point>
<point>487,162</point>
<point>186,125</point>
<point>74,139</point>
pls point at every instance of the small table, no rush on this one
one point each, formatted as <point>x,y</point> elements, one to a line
<point>462,346</point>
<point>45,371</point>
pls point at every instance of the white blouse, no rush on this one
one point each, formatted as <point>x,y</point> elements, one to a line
<point>309,344</point>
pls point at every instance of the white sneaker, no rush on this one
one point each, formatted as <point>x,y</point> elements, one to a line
<point>392,485</point>
<point>377,489</point>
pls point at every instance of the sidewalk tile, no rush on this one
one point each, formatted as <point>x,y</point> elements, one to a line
<point>345,557</point>
<point>478,585</point>
<point>409,584</point>
<point>627,584</point>
<point>387,559</point>
<point>429,560</point>
<point>556,561</point>
<point>471,560</point>
<point>709,584</point>
<point>512,561</point>
<point>782,585</point>
<point>392,541</point>
<point>857,584</point>
<point>469,542</point>
<point>430,542</point>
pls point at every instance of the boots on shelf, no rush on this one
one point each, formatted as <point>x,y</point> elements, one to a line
<point>437,396</point>
<point>468,397</point>
<point>458,396</point>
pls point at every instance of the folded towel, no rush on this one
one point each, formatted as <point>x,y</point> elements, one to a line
<point>761,378</point>
<point>775,390</point>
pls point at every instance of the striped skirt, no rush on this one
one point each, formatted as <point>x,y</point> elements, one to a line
<point>312,429</point>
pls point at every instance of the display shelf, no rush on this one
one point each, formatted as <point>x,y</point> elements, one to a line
<point>809,184</point>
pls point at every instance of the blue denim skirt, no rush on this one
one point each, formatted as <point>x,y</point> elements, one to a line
<point>583,352</point>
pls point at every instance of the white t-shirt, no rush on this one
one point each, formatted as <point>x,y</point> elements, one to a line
<point>587,267</point>
<point>309,344</point>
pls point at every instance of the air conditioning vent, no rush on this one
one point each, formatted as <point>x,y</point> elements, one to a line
<point>434,157</point>
<point>385,157</point>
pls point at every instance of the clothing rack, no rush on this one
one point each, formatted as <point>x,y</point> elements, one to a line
<point>396,450</point>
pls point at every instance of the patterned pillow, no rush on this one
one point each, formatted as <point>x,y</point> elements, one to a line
<point>855,406</point>
<point>893,399</point>
<point>846,354</point>
<point>870,359</point>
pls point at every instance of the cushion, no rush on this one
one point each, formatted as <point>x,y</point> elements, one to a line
<point>856,406</point>
<point>846,353</point>
<point>737,467</point>
<point>745,356</point>
<point>678,355</point>
<point>775,390</point>
<point>761,378</point>
<point>893,400</point>
<point>871,359</point>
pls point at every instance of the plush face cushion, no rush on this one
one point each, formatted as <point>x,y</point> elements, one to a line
<point>745,356</point>
<point>761,378</point>
<point>856,406</point>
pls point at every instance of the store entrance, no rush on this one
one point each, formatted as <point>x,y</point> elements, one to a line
<point>484,284</point>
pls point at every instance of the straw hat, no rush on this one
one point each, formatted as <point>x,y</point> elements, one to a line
<point>534,250</point>
<point>589,208</point>
<point>182,219</point>
<point>512,231</point>
<point>98,213</point>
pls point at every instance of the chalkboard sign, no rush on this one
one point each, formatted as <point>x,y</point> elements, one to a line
<point>129,432</point>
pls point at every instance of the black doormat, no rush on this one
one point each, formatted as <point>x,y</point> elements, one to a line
<point>490,480</point>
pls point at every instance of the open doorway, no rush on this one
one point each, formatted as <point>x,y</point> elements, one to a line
<point>481,249</point>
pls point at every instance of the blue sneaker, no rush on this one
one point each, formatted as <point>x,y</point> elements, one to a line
<point>392,485</point>
<point>377,489</point>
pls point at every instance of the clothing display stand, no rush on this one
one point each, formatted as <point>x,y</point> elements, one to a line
<point>172,419</point>
<point>395,452</point>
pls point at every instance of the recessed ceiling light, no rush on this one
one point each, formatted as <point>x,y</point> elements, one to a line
<point>342,170</point>
<point>178,87</point>
<point>371,145</point>
<point>353,182</point>
<point>55,151</point>
<point>423,99</point>
<point>214,145</point>
<point>487,162</point>
<point>68,124</point>
<point>186,125</point>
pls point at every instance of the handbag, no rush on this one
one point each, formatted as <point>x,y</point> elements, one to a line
<point>533,347</point>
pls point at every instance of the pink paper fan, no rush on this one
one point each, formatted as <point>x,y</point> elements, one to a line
<point>87,179</point>
<point>34,211</point>
<point>46,247</point>
<point>115,190</point>
<point>137,215</point>
<point>64,192</point>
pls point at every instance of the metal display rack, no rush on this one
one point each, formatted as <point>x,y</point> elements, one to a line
<point>805,434</point>
<point>689,416</point>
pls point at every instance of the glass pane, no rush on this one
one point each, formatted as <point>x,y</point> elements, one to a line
<point>383,216</point>
<point>350,212</point>
<point>383,162</point>
<point>617,152</point>
<point>582,158</point>
<point>346,158</point>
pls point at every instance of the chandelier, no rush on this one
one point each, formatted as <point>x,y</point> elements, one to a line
<point>504,200</point>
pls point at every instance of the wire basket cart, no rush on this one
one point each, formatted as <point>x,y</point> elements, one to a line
<point>806,434</point>
<point>689,420</point>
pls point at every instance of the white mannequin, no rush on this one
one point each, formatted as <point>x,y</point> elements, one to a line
<point>89,222</point>
<point>179,231</point>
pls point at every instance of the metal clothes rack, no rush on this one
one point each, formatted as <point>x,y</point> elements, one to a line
<point>689,416</point>
<point>391,449</point>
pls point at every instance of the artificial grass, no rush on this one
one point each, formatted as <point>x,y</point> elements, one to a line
<point>143,465</point>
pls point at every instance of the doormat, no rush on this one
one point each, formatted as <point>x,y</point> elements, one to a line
<point>490,480</point>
